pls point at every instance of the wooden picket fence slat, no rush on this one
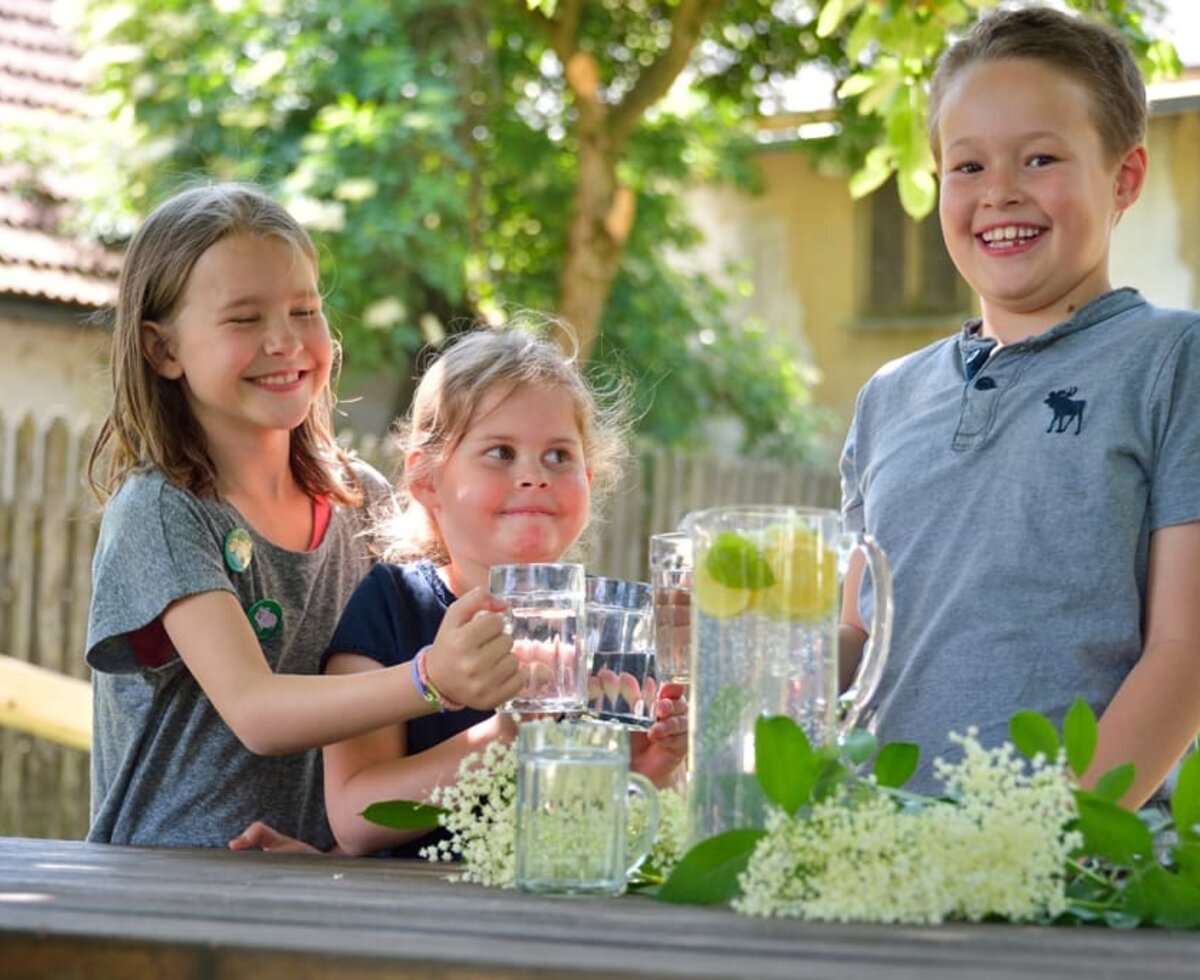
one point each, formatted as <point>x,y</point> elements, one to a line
<point>47,532</point>
<point>48,526</point>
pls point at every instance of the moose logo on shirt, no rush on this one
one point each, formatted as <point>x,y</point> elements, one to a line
<point>1066,410</point>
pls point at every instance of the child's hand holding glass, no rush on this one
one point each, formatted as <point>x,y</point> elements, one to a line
<point>471,662</point>
<point>658,752</point>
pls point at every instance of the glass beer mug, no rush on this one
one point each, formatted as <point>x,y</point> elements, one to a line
<point>765,608</point>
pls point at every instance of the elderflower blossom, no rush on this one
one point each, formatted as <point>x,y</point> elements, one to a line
<point>480,817</point>
<point>1004,839</point>
<point>848,860</point>
<point>671,841</point>
<point>999,847</point>
<point>671,838</point>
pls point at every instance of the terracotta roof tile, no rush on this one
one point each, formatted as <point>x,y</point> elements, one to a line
<point>41,90</point>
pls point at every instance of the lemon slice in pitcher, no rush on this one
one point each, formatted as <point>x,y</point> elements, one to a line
<point>727,574</point>
<point>805,576</point>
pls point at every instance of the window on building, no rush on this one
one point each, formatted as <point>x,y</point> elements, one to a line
<point>909,272</point>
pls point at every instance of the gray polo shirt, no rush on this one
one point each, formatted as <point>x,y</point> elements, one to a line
<point>1015,497</point>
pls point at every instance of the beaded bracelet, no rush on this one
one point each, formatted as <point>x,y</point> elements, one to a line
<point>426,688</point>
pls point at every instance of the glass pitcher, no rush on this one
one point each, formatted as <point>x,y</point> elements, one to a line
<point>765,602</point>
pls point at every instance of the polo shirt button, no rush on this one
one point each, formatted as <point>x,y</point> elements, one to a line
<point>985,384</point>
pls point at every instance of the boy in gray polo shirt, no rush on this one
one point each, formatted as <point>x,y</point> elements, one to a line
<point>1035,480</point>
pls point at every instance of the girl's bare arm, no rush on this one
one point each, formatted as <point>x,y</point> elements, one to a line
<point>374,767</point>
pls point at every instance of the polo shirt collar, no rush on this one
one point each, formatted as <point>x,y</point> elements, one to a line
<point>975,349</point>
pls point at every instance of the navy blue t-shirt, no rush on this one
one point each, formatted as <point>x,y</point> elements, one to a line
<point>394,612</point>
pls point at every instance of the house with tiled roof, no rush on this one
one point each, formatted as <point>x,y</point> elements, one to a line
<point>53,282</point>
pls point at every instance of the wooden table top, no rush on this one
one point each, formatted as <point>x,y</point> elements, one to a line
<point>71,909</point>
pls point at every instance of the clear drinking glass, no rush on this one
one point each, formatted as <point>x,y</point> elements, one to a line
<point>574,796</point>
<point>671,580</point>
<point>622,681</point>
<point>545,617</point>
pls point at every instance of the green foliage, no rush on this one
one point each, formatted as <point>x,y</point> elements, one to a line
<point>784,762</point>
<point>366,139</point>
<point>1033,734</point>
<point>896,763</point>
<point>1185,804</point>
<point>1080,734</point>
<point>708,873</point>
<point>404,815</point>
<point>1132,868</point>
<point>433,148</point>
<point>1115,783</point>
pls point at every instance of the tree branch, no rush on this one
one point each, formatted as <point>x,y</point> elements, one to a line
<point>562,30</point>
<point>686,24</point>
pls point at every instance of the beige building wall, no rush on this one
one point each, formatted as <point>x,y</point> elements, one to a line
<point>1156,246</point>
<point>52,369</point>
<point>826,251</point>
<point>817,247</point>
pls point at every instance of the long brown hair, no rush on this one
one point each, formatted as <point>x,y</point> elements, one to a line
<point>151,423</point>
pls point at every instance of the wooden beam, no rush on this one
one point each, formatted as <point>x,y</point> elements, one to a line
<point>45,703</point>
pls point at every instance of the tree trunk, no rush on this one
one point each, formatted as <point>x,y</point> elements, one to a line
<point>603,210</point>
<point>602,216</point>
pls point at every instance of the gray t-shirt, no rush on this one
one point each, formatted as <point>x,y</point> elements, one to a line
<point>166,770</point>
<point>1015,506</point>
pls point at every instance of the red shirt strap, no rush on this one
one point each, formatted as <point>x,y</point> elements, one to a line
<point>322,510</point>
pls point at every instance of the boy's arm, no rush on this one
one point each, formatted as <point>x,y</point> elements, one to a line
<point>852,634</point>
<point>1155,713</point>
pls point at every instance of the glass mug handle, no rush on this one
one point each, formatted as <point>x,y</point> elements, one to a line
<point>639,785</point>
<point>875,653</point>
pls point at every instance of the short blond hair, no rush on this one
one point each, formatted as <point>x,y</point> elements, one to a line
<point>1092,53</point>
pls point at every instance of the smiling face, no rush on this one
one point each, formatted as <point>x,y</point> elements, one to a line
<point>516,488</point>
<point>1028,196</point>
<point>249,343</point>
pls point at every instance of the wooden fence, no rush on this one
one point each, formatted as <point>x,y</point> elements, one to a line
<point>48,522</point>
<point>47,532</point>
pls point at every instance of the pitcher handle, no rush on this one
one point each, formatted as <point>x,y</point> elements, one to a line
<point>639,785</point>
<point>875,653</point>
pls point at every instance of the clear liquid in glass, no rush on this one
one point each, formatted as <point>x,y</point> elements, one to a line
<point>549,649</point>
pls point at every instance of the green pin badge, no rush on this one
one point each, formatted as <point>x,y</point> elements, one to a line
<point>266,616</point>
<point>239,549</point>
